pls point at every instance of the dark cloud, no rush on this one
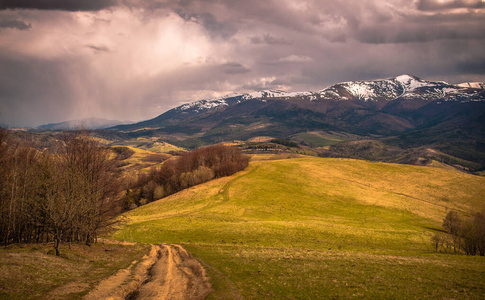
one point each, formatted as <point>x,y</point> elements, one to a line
<point>33,91</point>
<point>68,5</point>
<point>269,40</point>
<point>471,67</point>
<point>397,33</point>
<point>233,68</point>
<point>98,48</point>
<point>414,26</point>
<point>437,5</point>
<point>14,24</point>
<point>215,27</point>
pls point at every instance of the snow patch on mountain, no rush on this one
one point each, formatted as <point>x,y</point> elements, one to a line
<point>204,105</point>
<point>361,90</point>
<point>410,83</point>
<point>474,85</point>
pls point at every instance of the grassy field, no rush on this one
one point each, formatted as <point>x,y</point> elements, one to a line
<point>321,228</point>
<point>34,272</point>
<point>152,144</point>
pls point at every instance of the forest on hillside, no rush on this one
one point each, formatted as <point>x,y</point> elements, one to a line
<point>75,191</point>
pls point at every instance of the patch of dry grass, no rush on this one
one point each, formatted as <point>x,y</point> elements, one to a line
<point>34,272</point>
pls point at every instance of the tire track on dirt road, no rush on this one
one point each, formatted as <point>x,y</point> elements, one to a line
<point>168,272</point>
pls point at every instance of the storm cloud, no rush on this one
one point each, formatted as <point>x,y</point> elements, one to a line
<point>135,59</point>
<point>68,5</point>
<point>15,24</point>
<point>436,5</point>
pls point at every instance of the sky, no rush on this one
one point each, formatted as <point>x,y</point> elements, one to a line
<point>135,59</point>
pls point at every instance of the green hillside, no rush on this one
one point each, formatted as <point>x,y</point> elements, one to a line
<point>321,228</point>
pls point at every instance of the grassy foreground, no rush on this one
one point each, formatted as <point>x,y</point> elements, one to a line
<point>321,228</point>
<point>34,272</point>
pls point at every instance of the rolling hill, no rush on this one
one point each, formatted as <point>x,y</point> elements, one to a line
<point>320,228</point>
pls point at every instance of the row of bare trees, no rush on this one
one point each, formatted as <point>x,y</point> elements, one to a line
<point>463,233</point>
<point>55,197</point>
<point>189,169</point>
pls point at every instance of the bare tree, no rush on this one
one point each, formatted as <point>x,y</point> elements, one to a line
<point>79,190</point>
<point>452,223</point>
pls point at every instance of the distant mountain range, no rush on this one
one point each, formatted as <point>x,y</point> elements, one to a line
<point>404,111</point>
<point>90,123</point>
<point>381,107</point>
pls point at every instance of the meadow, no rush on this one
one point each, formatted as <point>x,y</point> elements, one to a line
<point>308,228</point>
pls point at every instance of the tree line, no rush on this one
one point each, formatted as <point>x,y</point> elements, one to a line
<point>465,234</point>
<point>66,195</point>
<point>74,191</point>
<point>187,170</point>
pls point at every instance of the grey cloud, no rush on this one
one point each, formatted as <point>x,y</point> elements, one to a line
<point>33,92</point>
<point>234,68</point>
<point>414,26</point>
<point>215,27</point>
<point>14,24</point>
<point>296,59</point>
<point>67,5</point>
<point>99,48</point>
<point>269,40</point>
<point>472,67</point>
<point>265,84</point>
<point>236,12</point>
<point>399,34</point>
<point>436,5</point>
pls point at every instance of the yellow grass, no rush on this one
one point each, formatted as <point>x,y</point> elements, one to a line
<point>311,227</point>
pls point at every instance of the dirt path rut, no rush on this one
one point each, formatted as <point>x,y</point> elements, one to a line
<point>168,272</point>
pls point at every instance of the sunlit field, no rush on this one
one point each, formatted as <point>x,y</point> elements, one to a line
<point>321,228</point>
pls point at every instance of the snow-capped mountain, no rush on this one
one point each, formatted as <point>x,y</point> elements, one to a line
<point>400,87</point>
<point>203,105</point>
<point>387,89</point>
<point>382,107</point>
<point>403,86</point>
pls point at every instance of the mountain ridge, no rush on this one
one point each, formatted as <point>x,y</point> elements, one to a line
<point>87,123</point>
<point>404,111</point>
<point>364,94</point>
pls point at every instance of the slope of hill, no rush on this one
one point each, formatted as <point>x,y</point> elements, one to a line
<point>321,228</point>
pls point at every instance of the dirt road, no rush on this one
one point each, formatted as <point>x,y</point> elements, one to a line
<point>168,272</point>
